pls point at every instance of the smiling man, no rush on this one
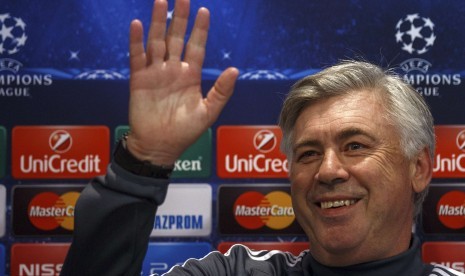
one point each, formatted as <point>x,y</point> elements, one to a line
<point>359,143</point>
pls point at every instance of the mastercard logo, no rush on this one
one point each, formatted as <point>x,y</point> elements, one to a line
<point>451,209</point>
<point>48,211</point>
<point>253,210</point>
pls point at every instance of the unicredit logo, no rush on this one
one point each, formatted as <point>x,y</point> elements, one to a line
<point>59,152</point>
<point>450,152</point>
<point>253,210</point>
<point>265,141</point>
<point>60,141</point>
<point>250,151</point>
<point>461,140</point>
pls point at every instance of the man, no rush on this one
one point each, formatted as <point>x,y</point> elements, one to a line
<point>359,143</point>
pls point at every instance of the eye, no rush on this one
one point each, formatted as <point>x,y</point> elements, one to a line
<point>354,146</point>
<point>307,156</point>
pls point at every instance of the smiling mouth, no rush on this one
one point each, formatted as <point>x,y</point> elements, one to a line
<point>337,203</point>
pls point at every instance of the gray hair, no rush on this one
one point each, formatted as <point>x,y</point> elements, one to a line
<point>405,107</point>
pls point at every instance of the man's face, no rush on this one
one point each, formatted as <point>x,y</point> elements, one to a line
<point>351,184</point>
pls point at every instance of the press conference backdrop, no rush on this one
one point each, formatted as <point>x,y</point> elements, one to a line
<point>64,98</point>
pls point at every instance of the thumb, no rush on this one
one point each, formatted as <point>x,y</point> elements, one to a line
<point>220,93</point>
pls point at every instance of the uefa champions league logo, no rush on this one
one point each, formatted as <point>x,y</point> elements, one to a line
<point>415,34</point>
<point>12,34</point>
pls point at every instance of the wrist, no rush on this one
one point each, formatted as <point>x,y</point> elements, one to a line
<point>154,154</point>
<point>125,159</point>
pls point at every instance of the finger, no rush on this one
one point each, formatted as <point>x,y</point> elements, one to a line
<point>220,93</point>
<point>177,30</point>
<point>195,48</point>
<point>137,59</point>
<point>156,39</point>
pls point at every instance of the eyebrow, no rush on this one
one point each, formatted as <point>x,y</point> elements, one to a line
<point>343,135</point>
<point>353,131</point>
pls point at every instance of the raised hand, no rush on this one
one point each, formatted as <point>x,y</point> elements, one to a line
<point>167,111</point>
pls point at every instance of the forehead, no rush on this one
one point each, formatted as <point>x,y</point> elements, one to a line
<point>362,109</point>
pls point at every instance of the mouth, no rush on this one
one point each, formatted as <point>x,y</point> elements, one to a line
<point>337,203</point>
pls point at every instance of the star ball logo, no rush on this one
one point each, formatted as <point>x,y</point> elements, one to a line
<point>250,151</point>
<point>59,151</point>
<point>12,34</point>
<point>415,34</point>
<point>254,210</point>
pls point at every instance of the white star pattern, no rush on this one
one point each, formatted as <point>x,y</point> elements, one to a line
<point>169,16</point>
<point>412,17</point>
<point>428,23</point>
<point>73,55</point>
<point>226,55</point>
<point>20,23</point>
<point>415,34</point>
<point>100,75</point>
<point>263,75</point>
<point>12,37</point>
<point>5,32</point>
<point>430,40</point>
<point>399,36</point>
<point>408,48</point>
<point>4,16</point>
<point>21,41</point>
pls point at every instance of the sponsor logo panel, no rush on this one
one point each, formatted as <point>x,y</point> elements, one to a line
<point>161,257</point>
<point>195,162</point>
<point>449,161</point>
<point>2,151</point>
<point>444,209</point>
<point>450,254</point>
<point>44,210</point>
<point>250,152</point>
<point>256,209</point>
<point>59,151</point>
<point>415,33</point>
<point>2,210</point>
<point>293,247</point>
<point>187,211</point>
<point>37,259</point>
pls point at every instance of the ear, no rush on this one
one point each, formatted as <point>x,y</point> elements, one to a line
<point>422,170</point>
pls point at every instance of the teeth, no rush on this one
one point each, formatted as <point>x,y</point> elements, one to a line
<point>337,203</point>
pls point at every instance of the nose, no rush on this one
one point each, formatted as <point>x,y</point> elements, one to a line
<point>332,170</point>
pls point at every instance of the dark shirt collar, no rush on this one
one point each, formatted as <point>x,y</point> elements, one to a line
<point>407,263</point>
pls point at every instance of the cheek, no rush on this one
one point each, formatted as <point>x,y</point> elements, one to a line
<point>301,177</point>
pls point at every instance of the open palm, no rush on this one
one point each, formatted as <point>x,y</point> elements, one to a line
<point>167,110</point>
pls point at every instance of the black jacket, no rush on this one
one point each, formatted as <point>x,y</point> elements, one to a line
<point>114,218</point>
